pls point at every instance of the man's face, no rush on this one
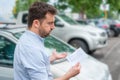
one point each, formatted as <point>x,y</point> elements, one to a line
<point>47,25</point>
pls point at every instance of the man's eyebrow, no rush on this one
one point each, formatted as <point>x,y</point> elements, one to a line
<point>51,22</point>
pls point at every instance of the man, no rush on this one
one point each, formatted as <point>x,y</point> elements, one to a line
<point>31,61</point>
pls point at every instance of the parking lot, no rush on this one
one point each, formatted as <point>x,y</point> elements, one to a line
<point>111,56</point>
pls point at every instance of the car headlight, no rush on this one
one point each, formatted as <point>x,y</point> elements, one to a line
<point>103,34</point>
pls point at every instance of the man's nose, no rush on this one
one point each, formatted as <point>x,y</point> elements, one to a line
<point>53,26</point>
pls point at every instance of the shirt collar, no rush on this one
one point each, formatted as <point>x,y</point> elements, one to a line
<point>35,35</point>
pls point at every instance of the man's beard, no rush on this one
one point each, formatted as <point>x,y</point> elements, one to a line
<point>43,34</point>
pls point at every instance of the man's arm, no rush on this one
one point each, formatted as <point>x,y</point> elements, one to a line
<point>73,71</point>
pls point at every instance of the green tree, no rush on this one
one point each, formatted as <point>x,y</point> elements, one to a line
<point>21,5</point>
<point>89,7</point>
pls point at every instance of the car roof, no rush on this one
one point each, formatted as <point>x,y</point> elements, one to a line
<point>13,28</point>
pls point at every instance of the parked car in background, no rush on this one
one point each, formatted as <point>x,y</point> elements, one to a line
<point>101,23</point>
<point>109,25</point>
<point>22,17</point>
<point>85,36</point>
<point>114,27</point>
<point>91,68</point>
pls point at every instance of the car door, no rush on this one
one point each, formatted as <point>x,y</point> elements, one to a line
<point>6,58</point>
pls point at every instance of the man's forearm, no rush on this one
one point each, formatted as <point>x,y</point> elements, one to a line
<point>64,77</point>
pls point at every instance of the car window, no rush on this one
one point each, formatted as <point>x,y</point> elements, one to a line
<point>53,43</point>
<point>6,51</point>
<point>68,19</point>
<point>25,18</point>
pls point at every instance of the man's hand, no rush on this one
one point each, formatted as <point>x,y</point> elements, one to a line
<point>73,71</point>
<point>56,56</point>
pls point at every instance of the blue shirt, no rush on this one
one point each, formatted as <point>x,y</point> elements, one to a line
<point>31,61</point>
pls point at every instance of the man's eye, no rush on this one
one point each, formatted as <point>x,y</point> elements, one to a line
<point>50,23</point>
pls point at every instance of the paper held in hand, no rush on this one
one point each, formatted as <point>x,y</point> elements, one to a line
<point>78,56</point>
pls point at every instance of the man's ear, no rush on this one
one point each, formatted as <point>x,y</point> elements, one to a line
<point>36,23</point>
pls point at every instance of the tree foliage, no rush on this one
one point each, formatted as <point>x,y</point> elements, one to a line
<point>21,5</point>
<point>89,7</point>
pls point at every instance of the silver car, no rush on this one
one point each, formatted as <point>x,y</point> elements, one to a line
<point>91,69</point>
<point>86,36</point>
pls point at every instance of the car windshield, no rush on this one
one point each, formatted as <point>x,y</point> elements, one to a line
<point>53,43</point>
<point>68,19</point>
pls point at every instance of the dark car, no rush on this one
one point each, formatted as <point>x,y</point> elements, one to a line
<point>114,27</point>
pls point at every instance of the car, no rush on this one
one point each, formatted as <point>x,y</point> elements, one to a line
<point>91,68</point>
<point>109,25</point>
<point>114,27</point>
<point>87,37</point>
<point>100,23</point>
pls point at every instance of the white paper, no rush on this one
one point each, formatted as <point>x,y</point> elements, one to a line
<point>78,56</point>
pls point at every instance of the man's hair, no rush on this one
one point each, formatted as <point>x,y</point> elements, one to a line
<point>38,11</point>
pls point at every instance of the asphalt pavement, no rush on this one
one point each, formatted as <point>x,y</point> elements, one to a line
<point>111,56</point>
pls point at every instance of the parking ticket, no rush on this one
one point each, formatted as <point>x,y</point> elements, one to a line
<point>78,56</point>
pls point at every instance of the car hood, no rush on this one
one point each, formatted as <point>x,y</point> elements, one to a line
<point>89,28</point>
<point>91,69</point>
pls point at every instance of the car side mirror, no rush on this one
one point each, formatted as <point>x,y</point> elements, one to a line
<point>59,24</point>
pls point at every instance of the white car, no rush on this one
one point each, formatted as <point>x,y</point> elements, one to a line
<point>91,69</point>
<point>88,37</point>
<point>85,36</point>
